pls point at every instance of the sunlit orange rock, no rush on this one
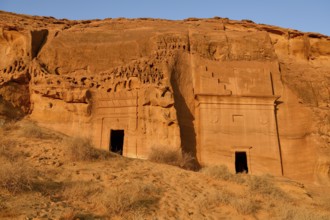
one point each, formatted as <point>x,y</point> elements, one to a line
<point>253,97</point>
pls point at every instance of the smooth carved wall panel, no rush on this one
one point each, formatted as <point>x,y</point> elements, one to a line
<point>236,78</point>
<point>235,111</point>
<point>252,82</point>
<point>228,124</point>
<point>146,123</point>
<point>116,111</point>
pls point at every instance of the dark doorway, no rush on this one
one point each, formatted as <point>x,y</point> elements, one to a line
<point>241,162</point>
<point>116,141</point>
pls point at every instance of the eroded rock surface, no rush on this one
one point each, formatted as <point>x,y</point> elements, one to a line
<point>253,97</point>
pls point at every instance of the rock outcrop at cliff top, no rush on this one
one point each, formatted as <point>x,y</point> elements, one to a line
<point>254,97</point>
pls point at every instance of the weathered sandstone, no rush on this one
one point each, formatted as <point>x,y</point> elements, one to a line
<point>222,90</point>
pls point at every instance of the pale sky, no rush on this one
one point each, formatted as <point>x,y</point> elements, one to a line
<point>303,15</point>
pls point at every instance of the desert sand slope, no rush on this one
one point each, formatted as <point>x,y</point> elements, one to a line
<point>47,175</point>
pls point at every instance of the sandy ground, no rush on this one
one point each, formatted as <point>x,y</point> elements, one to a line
<point>61,186</point>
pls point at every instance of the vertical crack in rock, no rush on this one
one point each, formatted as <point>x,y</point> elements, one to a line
<point>182,88</point>
<point>38,39</point>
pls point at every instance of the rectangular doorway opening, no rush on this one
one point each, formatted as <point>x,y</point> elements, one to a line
<point>241,165</point>
<point>116,141</point>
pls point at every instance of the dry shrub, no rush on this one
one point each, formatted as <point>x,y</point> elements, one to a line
<point>214,199</point>
<point>290,212</point>
<point>222,172</point>
<point>72,214</point>
<point>81,190</point>
<point>218,172</point>
<point>3,205</point>
<point>81,149</point>
<point>133,199</point>
<point>188,162</point>
<point>167,156</point>
<point>129,200</point>
<point>10,126</point>
<point>245,205</point>
<point>263,185</point>
<point>8,213</point>
<point>32,130</point>
<point>173,157</point>
<point>7,151</point>
<point>69,215</point>
<point>75,195</point>
<point>16,177</point>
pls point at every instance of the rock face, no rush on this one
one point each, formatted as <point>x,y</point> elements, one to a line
<point>253,97</point>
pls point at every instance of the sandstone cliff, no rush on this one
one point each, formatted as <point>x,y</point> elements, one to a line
<point>211,87</point>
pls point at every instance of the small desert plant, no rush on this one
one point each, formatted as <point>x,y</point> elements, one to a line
<point>188,162</point>
<point>245,205</point>
<point>125,200</point>
<point>6,149</point>
<point>82,190</point>
<point>129,200</point>
<point>81,149</point>
<point>215,199</point>
<point>218,172</point>
<point>75,194</point>
<point>262,185</point>
<point>32,130</point>
<point>290,212</point>
<point>10,126</point>
<point>222,172</point>
<point>69,215</point>
<point>173,157</point>
<point>167,156</point>
<point>16,177</point>
<point>3,205</point>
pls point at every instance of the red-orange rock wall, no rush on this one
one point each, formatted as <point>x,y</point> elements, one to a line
<point>79,77</point>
